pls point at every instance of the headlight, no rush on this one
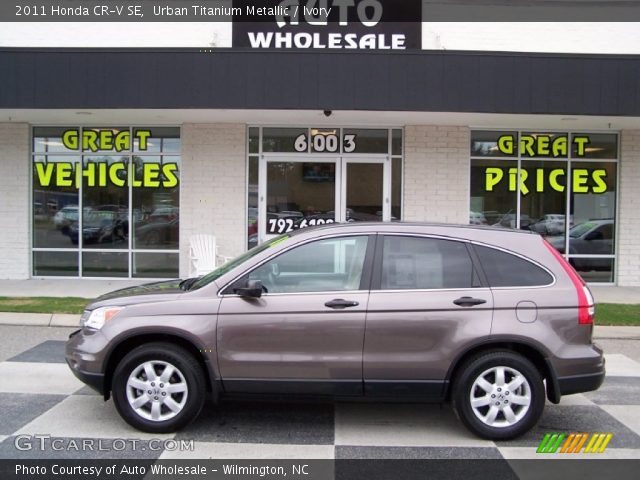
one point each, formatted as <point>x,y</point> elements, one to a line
<point>97,318</point>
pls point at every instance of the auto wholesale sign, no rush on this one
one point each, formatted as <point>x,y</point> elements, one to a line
<point>328,24</point>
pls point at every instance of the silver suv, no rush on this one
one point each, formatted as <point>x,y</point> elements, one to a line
<point>492,320</point>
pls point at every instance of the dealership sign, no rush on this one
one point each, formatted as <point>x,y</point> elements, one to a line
<point>328,24</point>
<point>104,173</point>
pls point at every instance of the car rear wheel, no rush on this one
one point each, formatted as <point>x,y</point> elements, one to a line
<point>158,388</point>
<point>499,395</point>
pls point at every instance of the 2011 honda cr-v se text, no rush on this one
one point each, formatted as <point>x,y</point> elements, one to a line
<point>489,319</point>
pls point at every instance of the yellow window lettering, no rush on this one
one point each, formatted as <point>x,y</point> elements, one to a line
<point>540,180</point>
<point>89,172</point>
<point>526,146</point>
<point>102,174</point>
<point>64,172</point>
<point>106,140</point>
<point>543,146</point>
<point>132,176</point>
<point>580,180</point>
<point>122,141</point>
<point>171,180</point>
<point>113,174</point>
<point>142,136</point>
<point>599,177</point>
<point>559,147</point>
<point>44,172</point>
<point>553,179</point>
<point>89,141</point>
<point>506,144</point>
<point>70,139</point>
<point>151,173</point>
<point>581,143</point>
<point>493,176</point>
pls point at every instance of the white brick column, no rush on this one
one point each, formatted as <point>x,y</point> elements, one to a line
<point>14,200</point>
<point>436,174</point>
<point>628,274</point>
<point>213,187</point>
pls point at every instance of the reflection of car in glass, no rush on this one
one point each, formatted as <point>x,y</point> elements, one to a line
<point>158,231</point>
<point>100,226</point>
<point>66,216</point>
<point>477,218</point>
<point>288,318</point>
<point>551,224</point>
<point>594,237</point>
<point>509,221</point>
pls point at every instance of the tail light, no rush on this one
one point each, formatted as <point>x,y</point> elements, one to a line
<point>586,308</point>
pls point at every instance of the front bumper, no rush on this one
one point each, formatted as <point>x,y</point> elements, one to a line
<point>84,353</point>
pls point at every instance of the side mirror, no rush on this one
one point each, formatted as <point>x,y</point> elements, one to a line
<point>252,290</point>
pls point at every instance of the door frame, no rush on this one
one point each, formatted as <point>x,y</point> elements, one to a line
<point>341,163</point>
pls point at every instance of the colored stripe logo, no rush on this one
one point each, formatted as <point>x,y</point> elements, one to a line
<point>574,443</point>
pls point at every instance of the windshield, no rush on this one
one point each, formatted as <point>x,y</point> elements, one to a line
<point>230,265</point>
<point>581,229</point>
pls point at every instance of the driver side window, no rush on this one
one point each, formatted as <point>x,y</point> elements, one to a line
<point>334,264</point>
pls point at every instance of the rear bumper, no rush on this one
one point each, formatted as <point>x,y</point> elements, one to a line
<point>581,383</point>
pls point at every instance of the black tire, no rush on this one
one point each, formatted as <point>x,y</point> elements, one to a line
<point>472,370</point>
<point>186,365</point>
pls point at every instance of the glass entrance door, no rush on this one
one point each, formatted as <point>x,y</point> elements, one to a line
<point>304,191</point>
<point>365,190</point>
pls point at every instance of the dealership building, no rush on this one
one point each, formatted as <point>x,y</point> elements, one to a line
<point>112,160</point>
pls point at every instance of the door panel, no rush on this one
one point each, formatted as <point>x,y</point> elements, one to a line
<point>417,320</point>
<point>297,337</point>
<point>292,337</point>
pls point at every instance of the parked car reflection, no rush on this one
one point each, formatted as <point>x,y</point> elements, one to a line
<point>594,237</point>
<point>100,226</point>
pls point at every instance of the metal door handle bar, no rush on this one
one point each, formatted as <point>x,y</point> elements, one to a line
<point>469,301</point>
<point>339,304</point>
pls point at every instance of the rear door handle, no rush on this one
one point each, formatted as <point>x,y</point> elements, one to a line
<point>339,304</point>
<point>469,301</point>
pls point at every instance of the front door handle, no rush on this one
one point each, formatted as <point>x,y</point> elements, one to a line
<point>469,301</point>
<point>339,304</point>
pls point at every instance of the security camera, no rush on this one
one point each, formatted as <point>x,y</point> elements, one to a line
<point>328,113</point>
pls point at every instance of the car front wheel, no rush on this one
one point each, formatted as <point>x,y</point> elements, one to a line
<point>158,388</point>
<point>499,395</point>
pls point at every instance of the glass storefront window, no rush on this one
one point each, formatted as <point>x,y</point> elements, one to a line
<point>485,144</point>
<point>493,198</point>
<point>90,191</point>
<point>564,194</point>
<point>369,140</point>
<point>282,140</point>
<point>543,197</point>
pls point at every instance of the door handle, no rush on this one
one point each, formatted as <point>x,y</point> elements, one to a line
<point>339,304</point>
<point>469,301</point>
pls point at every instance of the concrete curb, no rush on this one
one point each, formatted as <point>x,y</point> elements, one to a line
<point>39,319</point>
<point>67,320</point>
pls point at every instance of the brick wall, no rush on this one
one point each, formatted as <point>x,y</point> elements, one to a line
<point>629,210</point>
<point>14,200</point>
<point>213,187</point>
<point>436,174</point>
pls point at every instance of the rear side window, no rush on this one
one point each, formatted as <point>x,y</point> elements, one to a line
<point>417,263</point>
<point>505,270</point>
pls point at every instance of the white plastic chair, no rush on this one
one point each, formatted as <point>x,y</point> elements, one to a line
<point>203,255</point>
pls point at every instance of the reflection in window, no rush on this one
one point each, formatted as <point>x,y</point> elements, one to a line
<point>82,203</point>
<point>323,266</point>
<point>571,201</point>
<point>413,263</point>
<point>493,198</point>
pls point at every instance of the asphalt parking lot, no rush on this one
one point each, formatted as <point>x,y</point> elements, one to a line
<point>39,396</point>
